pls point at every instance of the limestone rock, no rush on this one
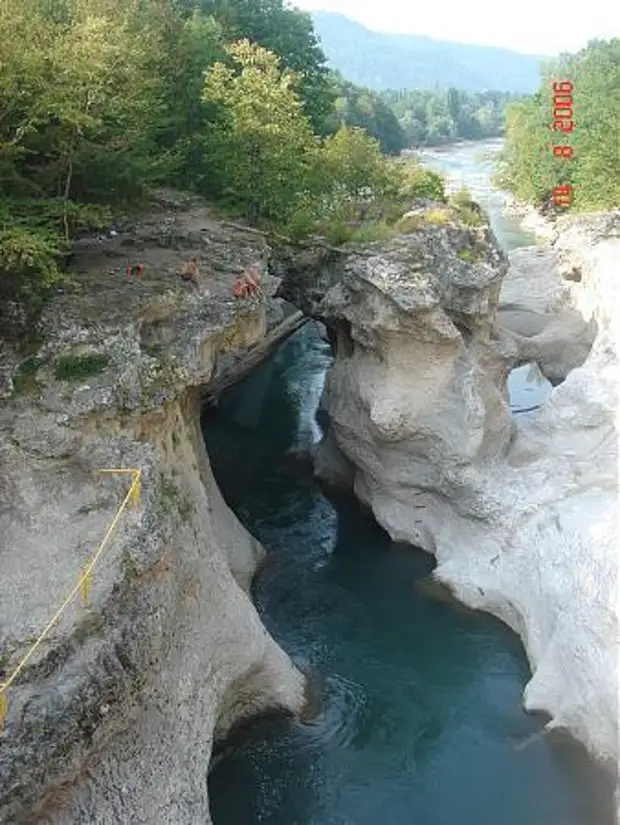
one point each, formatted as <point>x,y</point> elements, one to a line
<point>522,520</point>
<point>537,307</point>
<point>114,717</point>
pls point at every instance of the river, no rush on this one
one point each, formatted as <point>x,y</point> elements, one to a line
<point>421,721</point>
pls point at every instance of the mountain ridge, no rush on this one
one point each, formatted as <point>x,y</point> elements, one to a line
<point>380,60</point>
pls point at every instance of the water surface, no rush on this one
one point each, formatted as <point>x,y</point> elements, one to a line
<point>421,720</point>
<point>472,165</point>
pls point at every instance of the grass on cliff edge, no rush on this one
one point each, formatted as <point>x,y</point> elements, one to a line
<point>386,220</point>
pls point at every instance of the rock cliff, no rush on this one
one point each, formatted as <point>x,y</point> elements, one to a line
<point>114,718</point>
<point>521,517</point>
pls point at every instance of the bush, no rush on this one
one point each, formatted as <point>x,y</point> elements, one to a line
<point>462,197</point>
<point>409,224</point>
<point>77,367</point>
<point>414,182</point>
<point>471,215</point>
<point>468,255</point>
<point>437,217</point>
<point>25,377</point>
<point>34,240</point>
<point>301,223</point>
<point>338,232</point>
<point>29,262</point>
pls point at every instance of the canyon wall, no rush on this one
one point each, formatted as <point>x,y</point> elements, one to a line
<point>520,515</point>
<point>113,719</point>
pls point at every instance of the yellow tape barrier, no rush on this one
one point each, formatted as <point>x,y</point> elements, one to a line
<point>83,586</point>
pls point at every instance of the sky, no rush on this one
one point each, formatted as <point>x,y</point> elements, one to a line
<point>544,27</point>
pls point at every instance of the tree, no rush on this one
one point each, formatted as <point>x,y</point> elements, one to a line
<point>454,103</point>
<point>287,32</point>
<point>262,144</point>
<point>77,100</point>
<point>596,138</point>
<point>529,167</point>
<point>366,110</point>
<point>354,163</point>
<point>428,118</point>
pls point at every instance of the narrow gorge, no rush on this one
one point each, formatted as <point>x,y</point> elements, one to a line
<point>394,699</point>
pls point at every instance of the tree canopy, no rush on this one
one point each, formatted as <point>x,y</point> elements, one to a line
<point>529,167</point>
<point>367,110</point>
<point>430,118</point>
<point>102,99</point>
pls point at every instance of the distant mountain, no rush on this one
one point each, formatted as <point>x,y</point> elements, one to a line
<point>396,61</point>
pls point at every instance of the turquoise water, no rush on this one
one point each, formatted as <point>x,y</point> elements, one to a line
<point>420,720</point>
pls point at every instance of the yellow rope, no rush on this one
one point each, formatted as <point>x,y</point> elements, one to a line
<point>83,586</point>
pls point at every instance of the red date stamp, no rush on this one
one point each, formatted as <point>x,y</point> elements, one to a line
<point>563,122</point>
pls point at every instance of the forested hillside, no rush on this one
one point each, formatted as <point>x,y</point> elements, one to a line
<point>354,106</point>
<point>382,61</point>
<point>589,129</point>
<point>102,99</point>
<point>432,118</point>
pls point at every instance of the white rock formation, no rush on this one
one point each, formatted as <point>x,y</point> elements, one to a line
<point>538,308</point>
<point>522,520</point>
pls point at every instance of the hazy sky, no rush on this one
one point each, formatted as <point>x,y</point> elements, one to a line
<point>536,26</point>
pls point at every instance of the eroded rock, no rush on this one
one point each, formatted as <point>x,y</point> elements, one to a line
<point>114,718</point>
<point>537,306</point>
<point>522,520</point>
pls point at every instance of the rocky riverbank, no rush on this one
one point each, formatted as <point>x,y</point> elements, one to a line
<point>114,717</point>
<point>531,219</point>
<point>521,518</point>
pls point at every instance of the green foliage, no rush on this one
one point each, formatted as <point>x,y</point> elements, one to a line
<point>376,231</point>
<point>76,96</point>
<point>302,222</point>
<point>287,32</point>
<point>100,99</point>
<point>28,262</point>
<point>468,255</point>
<point>262,145</point>
<point>25,378</point>
<point>409,224</point>
<point>367,110</point>
<point>430,118</point>
<point>437,217</point>
<point>470,215</point>
<point>338,232</point>
<point>467,209</point>
<point>462,197</point>
<point>414,181</point>
<point>78,367</point>
<point>56,217</point>
<point>353,161</point>
<point>34,237</point>
<point>187,45</point>
<point>528,167</point>
<point>30,366</point>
